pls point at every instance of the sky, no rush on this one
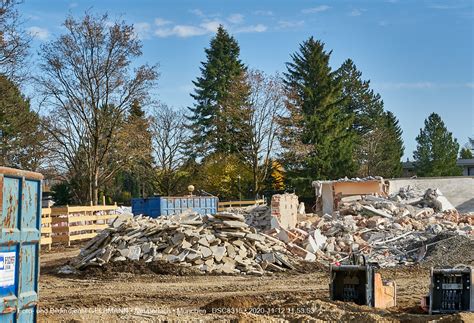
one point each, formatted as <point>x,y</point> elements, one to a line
<point>417,54</point>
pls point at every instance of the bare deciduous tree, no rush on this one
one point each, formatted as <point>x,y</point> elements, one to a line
<point>266,103</point>
<point>88,85</point>
<point>14,42</point>
<point>170,135</point>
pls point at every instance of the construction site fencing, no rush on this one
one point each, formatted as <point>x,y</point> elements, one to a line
<point>71,223</point>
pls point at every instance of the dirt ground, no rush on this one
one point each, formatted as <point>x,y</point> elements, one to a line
<point>124,295</point>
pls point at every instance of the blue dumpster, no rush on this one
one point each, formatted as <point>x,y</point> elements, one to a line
<point>20,204</point>
<point>168,205</point>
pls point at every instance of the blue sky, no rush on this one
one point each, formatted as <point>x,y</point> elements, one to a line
<point>417,54</point>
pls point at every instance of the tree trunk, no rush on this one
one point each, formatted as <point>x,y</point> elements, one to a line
<point>255,178</point>
<point>95,188</point>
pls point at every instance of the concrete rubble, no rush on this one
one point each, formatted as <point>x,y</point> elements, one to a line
<point>256,216</point>
<point>222,243</point>
<point>383,228</point>
<point>390,230</point>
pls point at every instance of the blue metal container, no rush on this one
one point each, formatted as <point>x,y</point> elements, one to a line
<point>168,205</point>
<point>20,205</point>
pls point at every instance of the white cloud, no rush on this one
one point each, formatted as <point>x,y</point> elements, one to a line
<point>235,18</point>
<point>355,13</point>
<point>290,24</point>
<point>263,12</point>
<point>38,32</point>
<point>180,31</point>
<point>259,28</point>
<point>142,29</point>
<point>185,31</point>
<point>383,23</point>
<point>317,9</point>
<point>162,22</point>
<point>207,27</point>
<point>211,26</point>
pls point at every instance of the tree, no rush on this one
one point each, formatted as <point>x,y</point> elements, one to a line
<point>21,136</point>
<point>266,103</point>
<point>137,178</point>
<point>226,176</point>
<point>88,85</point>
<point>468,149</point>
<point>276,180</point>
<point>169,134</point>
<point>465,153</point>
<point>381,149</point>
<point>62,194</point>
<point>140,172</point>
<point>360,100</point>
<point>377,135</point>
<point>316,105</point>
<point>215,117</point>
<point>436,152</point>
<point>14,42</point>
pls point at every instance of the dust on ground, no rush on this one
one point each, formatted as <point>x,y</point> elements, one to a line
<point>137,292</point>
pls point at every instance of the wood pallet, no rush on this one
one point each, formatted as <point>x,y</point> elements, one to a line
<point>73,223</point>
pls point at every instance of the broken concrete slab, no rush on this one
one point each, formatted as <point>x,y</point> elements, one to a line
<point>375,211</point>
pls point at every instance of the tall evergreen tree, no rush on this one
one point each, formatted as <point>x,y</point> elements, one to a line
<point>216,115</point>
<point>436,152</point>
<point>378,142</point>
<point>392,148</point>
<point>316,103</point>
<point>366,105</point>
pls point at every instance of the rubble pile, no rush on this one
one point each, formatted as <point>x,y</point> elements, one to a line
<point>222,243</point>
<point>256,216</point>
<point>382,228</point>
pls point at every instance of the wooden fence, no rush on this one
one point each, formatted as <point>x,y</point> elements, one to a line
<point>46,228</point>
<point>70,223</point>
<point>228,204</point>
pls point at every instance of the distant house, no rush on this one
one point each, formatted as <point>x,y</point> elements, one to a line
<point>467,166</point>
<point>408,169</point>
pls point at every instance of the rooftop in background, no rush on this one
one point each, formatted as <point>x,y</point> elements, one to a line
<point>463,162</point>
<point>467,166</point>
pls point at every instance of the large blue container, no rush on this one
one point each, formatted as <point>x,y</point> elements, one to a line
<point>20,205</point>
<point>168,205</point>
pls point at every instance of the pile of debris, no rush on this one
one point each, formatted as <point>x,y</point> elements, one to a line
<point>384,229</point>
<point>256,216</point>
<point>222,243</point>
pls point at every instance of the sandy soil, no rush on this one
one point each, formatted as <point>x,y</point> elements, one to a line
<point>131,297</point>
